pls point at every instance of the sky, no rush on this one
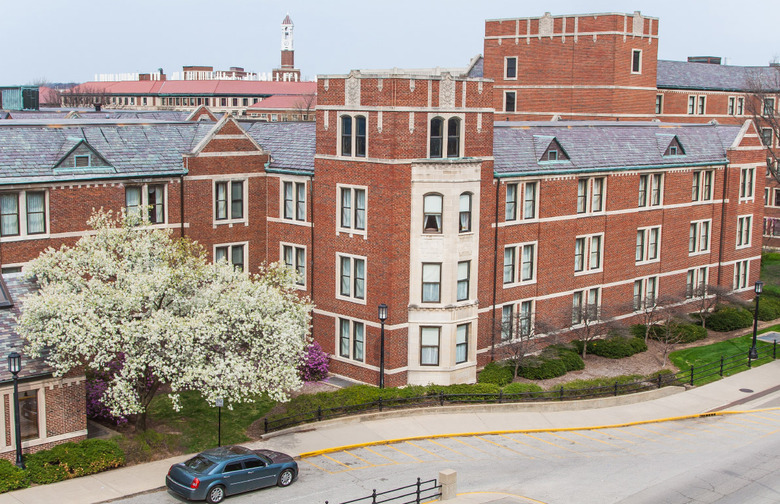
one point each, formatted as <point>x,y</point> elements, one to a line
<point>72,40</point>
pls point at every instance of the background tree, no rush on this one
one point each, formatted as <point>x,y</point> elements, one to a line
<point>131,294</point>
<point>587,324</point>
<point>520,338</point>
<point>669,333</point>
<point>706,297</point>
<point>761,102</point>
<point>304,106</point>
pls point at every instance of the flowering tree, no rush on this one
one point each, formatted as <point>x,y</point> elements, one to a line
<point>132,292</point>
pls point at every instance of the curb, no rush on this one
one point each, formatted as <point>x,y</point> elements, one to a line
<point>525,431</point>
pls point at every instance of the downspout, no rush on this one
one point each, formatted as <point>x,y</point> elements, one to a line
<point>310,260</point>
<point>495,277</point>
<point>722,220</point>
<point>181,205</point>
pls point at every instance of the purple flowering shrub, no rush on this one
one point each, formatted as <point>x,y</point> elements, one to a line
<point>97,383</point>
<point>314,365</point>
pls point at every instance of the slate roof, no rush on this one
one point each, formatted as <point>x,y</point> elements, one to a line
<point>29,150</point>
<point>705,76</point>
<point>10,341</point>
<point>291,144</point>
<point>597,146</point>
<point>284,102</point>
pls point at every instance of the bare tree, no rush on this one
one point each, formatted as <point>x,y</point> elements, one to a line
<point>520,338</point>
<point>706,297</point>
<point>305,106</point>
<point>763,93</point>
<point>84,96</point>
<point>587,324</point>
<point>670,332</point>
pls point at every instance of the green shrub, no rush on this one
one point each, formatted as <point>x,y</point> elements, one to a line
<point>638,330</point>
<point>604,381</point>
<point>496,374</point>
<point>11,477</point>
<point>571,360</point>
<point>692,332</point>
<point>617,347</point>
<point>543,369</point>
<point>521,388</point>
<point>465,389</point>
<point>768,308</point>
<point>70,460</point>
<point>729,318</point>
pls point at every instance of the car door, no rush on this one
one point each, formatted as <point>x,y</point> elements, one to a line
<point>257,474</point>
<point>234,476</point>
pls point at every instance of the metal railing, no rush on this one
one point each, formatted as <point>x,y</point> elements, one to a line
<point>416,493</point>
<point>693,376</point>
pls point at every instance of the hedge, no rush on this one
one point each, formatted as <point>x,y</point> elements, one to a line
<point>568,354</point>
<point>496,374</point>
<point>616,346</point>
<point>768,308</point>
<point>689,332</point>
<point>71,460</point>
<point>729,318</point>
<point>11,477</point>
<point>522,388</point>
<point>543,369</point>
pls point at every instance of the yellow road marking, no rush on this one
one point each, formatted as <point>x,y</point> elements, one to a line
<point>620,438</point>
<point>597,440</point>
<point>336,461</point>
<point>657,433</point>
<point>504,447</point>
<point>503,493</point>
<point>318,467</point>
<point>359,458</point>
<point>742,426</point>
<point>383,456</point>
<point>549,443</point>
<point>404,453</point>
<point>426,451</point>
<point>470,446</point>
<point>450,449</point>
<point>524,443</point>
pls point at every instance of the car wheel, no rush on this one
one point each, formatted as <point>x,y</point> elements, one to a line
<point>285,478</point>
<point>216,494</point>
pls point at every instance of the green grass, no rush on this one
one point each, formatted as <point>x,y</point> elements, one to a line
<point>197,420</point>
<point>709,354</point>
<point>770,272</point>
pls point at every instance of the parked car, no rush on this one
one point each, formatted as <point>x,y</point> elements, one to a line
<point>214,474</point>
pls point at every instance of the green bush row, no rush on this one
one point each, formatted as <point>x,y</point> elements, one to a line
<point>615,346</point>
<point>768,308</point>
<point>729,318</point>
<point>688,332</point>
<point>64,461</point>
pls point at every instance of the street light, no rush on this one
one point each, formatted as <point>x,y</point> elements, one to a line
<point>382,318</point>
<point>14,366</point>
<point>753,350</point>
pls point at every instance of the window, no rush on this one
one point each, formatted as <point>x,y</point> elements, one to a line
<point>746,179</point>
<point>702,101</point>
<point>351,340</point>
<point>590,195</point>
<point>431,282</point>
<point>741,272</point>
<point>691,105</point>
<point>150,197</point>
<point>696,282</point>
<point>585,306</point>
<point>437,137</point>
<point>229,200</point>
<point>81,161</point>
<point>509,101</point>
<point>529,200</point>
<point>353,133</point>
<point>462,343</point>
<point>294,201</point>
<point>510,208</point>
<point>526,252</point>
<point>516,325</point>
<point>769,106</point>
<point>699,237</point>
<point>701,186</point>
<point>732,105</point>
<point>352,272</point>
<point>429,346</point>
<point>233,253</point>
<point>507,316</point>
<point>647,244</point>
<point>510,67</point>
<point>353,208</point>
<point>587,253</point>
<point>636,61</point>
<point>31,204</point>
<point>771,227</point>
<point>464,275</point>
<point>766,136</point>
<point>744,224</point>
<point>740,105</point>
<point>530,196</point>
<point>295,258</point>
<point>645,293</point>
<point>28,406</point>
<point>659,103</point>
<point>464,213</point>
<point>432,207</point>
<point>650,189</point>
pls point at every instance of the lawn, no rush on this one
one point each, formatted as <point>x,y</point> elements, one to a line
<point>770,272</point>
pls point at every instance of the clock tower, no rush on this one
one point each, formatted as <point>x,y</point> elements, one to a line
<point>287,71</point>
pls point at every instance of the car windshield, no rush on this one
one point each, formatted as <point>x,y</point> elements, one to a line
<point>199,464</point>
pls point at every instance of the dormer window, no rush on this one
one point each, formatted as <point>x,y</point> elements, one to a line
<point>80,161</point>
<point>554,152</point>
<point>552,155</point>
<point>675,148</point>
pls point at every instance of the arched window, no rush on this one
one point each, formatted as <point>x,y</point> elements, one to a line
<point>437,137</point>
<point>353,134</point>
<point>453,137</point>
<point>346,135</point>
<point>464,217</point>
<point>432,205</point>
<point>360,136</point>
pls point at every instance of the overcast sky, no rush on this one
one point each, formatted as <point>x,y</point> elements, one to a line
<point>72,40</point>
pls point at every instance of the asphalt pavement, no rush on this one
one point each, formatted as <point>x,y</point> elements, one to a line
<point>749,390</point>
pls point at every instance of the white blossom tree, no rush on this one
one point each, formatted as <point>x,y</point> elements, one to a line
<point>133,293</point>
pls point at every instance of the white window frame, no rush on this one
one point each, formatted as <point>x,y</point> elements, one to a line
<point>353,259</point>
<point>701,105</point>
<point>691,105</point>
<point>462,344</point>
<point>587,266</point>
<point>466,280</point>
<point>352,325</point>
<point>230,246</point>
<point>581,299</point>
<point>438,282</point>
<point>633,53</point>
<point>294,247</point>
<point>741,105</point>
<point>352,229</point>
<point>731,108</point>
<point>437,346</point>
<point>747,188</point>
<point>742,275</point>
<point>646,197</point>
<point>698,226</point>
<point>21,216</point>
<point>646,233</point>
<point>353,116</point>
<point>744,231</point>
<point>506,94</point>
<point>445,134</point>
<point>296,200</point>
<point>230,221</point>
<point>516,312</point>
<point>507,66</point>
<point>519,251</point>
<point>766,108</point>
<point>521,201</point>
<point>590,182</point>
<point>659,103</point>
<point>145,200</point>
<point>644,289</point>
<point>699,185</point>
<point>695,279</point>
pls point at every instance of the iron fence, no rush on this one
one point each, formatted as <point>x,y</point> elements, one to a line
<point>417,493</point>
<point>693,376</point>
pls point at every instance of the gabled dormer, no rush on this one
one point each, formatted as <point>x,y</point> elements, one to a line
<point>671,145</point>
<point>82,157</point>
<point>549,149</point>
<point>202,114</point>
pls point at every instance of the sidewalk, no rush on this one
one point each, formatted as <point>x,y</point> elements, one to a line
<point>743,391</point>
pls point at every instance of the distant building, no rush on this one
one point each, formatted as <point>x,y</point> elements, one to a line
<point>284,108</point>
<point>19,98</point>
<point>287,71</point>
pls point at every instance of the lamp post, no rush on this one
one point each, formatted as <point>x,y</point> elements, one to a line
<point>382,318</point>
<point>14,366</point>
<point>753,350</point>
<point>219,403</point>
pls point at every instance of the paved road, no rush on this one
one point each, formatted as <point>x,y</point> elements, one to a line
<point>731,458</point>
